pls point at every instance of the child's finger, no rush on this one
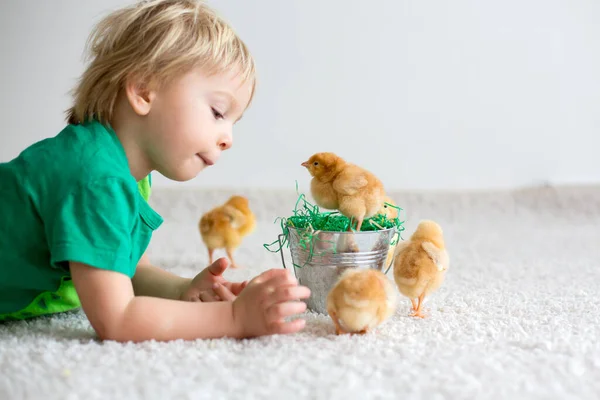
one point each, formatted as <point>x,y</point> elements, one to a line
<point>278,280</point>
<point>207,296</point>
<point>289,293</point>
<point>294,326</point>
<point>235,288</point>
<point>287,309</point>
<point>241,285</point>
<point>218,267</point>
<point>268,275</point>
<point>270,287</point>
<point>224,293</point>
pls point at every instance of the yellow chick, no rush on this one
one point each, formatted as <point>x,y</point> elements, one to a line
<point>421,264</point>
<point>226,225</point>
<point>389,212</point>
<point>360,300</point>
<point>339,185</point>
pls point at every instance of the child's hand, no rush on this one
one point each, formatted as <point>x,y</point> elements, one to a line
<point>209,285</point>
<point>269,298</point>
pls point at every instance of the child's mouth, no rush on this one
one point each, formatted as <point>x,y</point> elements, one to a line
<point>206,160</point>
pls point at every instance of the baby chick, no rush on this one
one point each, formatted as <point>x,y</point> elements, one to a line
<point>360,300</point>
<point>421,264</point>
<point>339,185</point>
<point>225,226</point>
<point>389,212</point>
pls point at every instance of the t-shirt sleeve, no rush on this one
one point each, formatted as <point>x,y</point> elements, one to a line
<point>93,225</point>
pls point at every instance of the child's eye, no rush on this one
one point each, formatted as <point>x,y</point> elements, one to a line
<point>217,114</point>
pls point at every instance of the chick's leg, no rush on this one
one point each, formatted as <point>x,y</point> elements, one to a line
<point>418,312</point>
<point>359,224</point>
<point>230,255</point>
<point>350,225</point>
<point>210,255</point>
<point>351,245</point>
<point>414,304</point>
<point>336,322</point>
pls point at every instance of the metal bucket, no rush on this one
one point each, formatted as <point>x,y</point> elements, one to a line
<point>320,257</point>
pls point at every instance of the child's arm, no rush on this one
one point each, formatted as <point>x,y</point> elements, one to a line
<point>107,298</point>
<point>155,282</point>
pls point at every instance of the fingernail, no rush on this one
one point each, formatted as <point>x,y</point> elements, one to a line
<point>215,285</point>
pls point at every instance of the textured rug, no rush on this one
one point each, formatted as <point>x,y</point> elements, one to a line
<point>518,315</point>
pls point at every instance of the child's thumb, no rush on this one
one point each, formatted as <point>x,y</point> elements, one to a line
<point>218,267</point>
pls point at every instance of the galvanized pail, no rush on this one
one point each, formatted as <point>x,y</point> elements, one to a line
<point>320,257</point>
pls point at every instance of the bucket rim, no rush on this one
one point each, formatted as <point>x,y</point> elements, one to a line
<point>379,231</point>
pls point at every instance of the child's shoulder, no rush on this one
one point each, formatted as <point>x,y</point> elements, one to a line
<point>79,155</point>
<point>85,150</point>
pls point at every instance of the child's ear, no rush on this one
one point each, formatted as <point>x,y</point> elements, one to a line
<point>140,96</point>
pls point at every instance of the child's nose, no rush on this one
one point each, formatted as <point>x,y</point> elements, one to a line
<point>225,142</point>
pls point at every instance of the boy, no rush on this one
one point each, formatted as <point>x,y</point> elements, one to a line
<point>167,81</point>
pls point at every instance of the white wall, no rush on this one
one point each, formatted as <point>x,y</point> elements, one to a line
<point>427,94</point>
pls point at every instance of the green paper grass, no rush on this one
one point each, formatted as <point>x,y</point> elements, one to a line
<point>308,218</point>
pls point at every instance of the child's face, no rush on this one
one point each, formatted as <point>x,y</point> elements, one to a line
<point>190,122</point>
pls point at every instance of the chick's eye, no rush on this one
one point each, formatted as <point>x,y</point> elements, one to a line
<point>315,163</point>
<point>217,114</point>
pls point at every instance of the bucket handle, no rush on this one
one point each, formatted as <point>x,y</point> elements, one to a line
<point>282,257</point>
<point>388,268</point>
<point>281,250</point>
<point>394,257</point>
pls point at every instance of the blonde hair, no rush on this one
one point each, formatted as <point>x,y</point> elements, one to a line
<point>154,41</point>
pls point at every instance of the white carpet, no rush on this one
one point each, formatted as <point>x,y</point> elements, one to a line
<point>518,316</point>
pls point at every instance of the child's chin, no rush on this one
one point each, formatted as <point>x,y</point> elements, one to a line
<point>183,175</point>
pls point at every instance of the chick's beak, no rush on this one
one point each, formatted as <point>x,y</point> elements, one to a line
<point>305,164</point>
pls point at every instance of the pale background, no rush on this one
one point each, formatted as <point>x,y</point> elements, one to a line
<point>426,94</point>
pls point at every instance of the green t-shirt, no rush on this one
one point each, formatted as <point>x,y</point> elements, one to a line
<point>68,198</point>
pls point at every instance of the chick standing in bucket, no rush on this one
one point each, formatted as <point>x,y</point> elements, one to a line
<point>339,185</point>
<point>226,225</point>
<point>421,264</point>
<point>360,300</point>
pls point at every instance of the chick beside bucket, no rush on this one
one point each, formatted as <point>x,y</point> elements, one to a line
<point>361,300</point>
<point>421,264</point>
<point>318,265</point>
